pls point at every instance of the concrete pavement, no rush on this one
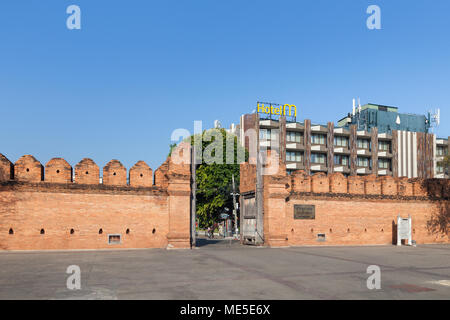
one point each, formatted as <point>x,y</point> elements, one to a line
<point>226,270</point>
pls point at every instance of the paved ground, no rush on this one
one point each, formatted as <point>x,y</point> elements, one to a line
<point>226,270</point>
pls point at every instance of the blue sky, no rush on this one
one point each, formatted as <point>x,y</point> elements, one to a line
<point>137,70</point>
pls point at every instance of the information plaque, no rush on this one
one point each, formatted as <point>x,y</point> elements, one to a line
<point>304,211</point>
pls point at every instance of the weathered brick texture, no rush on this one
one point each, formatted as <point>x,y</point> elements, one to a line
<point>141,175</point>
<point>365,215</point>
<point>6,169</point>
<point>27,168</point>
<point>356,185</point>
<point>338,183</point>
<point>161,179</point>
<point>372,184</point>
<point>114,174</point>
<point>320,183</point>
<point>389,186</point>
<point>60,214</point>
<point>87,172</point>
<point>301,182</point>
<point>58,170</point>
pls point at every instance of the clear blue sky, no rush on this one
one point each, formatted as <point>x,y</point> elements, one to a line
<point>137,70</point>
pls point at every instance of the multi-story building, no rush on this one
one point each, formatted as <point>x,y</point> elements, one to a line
<point>375,140</point>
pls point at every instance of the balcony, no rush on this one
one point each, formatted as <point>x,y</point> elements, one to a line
<point>384,154</point>
<point>363,170</point>
<point>341,168</point>
<point>269,124</point>
<point>384,172</point>
<point>295,146</point>
<point>319,129</point>
<point>294,165</point>
<point>363,134</point>
<point>319,167</point>
<point>319,147</point>
<point>364,152</point>
<point>342,131</point>
<point>384,136</point>
<point>344,150</point>
<point>295,126</point>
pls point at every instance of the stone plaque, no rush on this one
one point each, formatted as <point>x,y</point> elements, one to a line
<point>304,211</point>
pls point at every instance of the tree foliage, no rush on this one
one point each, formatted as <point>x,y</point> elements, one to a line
<point>214,180</point>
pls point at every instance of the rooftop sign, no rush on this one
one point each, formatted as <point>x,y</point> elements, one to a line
<point>277,109</point>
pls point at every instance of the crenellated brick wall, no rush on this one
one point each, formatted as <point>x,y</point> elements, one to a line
<point>48,211</point>
<point>354,210</point>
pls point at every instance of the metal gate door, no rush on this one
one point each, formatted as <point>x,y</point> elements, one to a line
<point>249,213</point>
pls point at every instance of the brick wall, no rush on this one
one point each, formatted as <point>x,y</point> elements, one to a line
<point>6,169</point>
<point>60,214</point>
<point>141,175</point>
<point>354,210</point>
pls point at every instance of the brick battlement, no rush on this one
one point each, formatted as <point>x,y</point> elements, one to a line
<point>87,172</point>
<point>370,185</point>
<point>353,210</point>
<point>50,208</point>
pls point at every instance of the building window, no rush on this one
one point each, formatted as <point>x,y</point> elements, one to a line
<point>363,162</point>
<point>384,146</point>
<point>294,156</point>
<point>318,139</point>
<point>440,168</point>
<point>294,136</point>
<point>384,164</point>
<point>341,160</point>
<point>363,143</point>
<point>318,158</point>
<point>265,134</point>
<point>441,151</point>
<point>340,141</point>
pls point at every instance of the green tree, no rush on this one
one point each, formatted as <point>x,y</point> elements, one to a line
<point>214,180</point>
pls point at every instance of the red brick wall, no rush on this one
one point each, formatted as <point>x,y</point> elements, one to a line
<point>247,177</point>
<point>372,184</point>
<point>87,172</point>
<point>59,214</point>
<point>389,186</point>
<point>338,183</point>
<point>356,185</point>
<point>319,183</point>
<point>141,175</point>
<point>58,170</point>
<point>361,221</point>
<point>27,168</point>
<point>365,215</point>
<point>6,169</point>
<point>114,174</point>
<point>301,182</point>
<point>27,209</point>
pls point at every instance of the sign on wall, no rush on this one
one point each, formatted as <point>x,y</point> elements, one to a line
<point>304,211</point>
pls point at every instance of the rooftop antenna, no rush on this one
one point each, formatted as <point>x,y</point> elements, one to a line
<point>354,107</point>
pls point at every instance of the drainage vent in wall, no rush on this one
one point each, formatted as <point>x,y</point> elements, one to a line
<point>321,237</point>
<point>114,239</point>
